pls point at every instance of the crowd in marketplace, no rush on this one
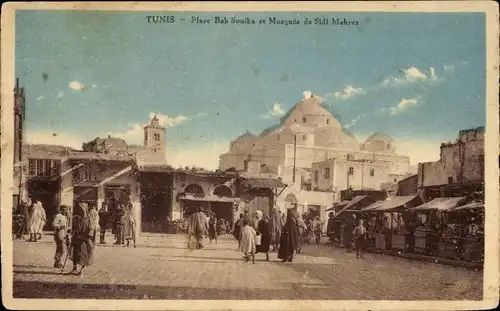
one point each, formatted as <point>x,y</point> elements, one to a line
<point>451,228</point>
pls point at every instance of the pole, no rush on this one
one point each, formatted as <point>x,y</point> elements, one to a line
<point>294,156</point>
<point>362,175</point>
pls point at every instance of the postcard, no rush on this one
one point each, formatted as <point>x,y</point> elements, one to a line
<point>250,155</point>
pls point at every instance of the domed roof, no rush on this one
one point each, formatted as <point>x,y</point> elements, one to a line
<point>329,137</point>
<point>271,129</point>
<point>246,136</point>
<point>378,136</point>
<point>311,105</point>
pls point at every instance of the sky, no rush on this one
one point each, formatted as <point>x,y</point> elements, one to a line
<point>418,77</point>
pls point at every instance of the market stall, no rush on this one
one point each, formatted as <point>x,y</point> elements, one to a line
<point>401,220</point>
<point>470,218</point>
<point>353,207</point>
<point>427,232</point>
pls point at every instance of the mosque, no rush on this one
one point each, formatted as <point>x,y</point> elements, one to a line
<point>311,140</point>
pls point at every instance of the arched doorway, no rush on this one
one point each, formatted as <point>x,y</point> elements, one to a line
<point>223,191</point>
<point>194,190</point>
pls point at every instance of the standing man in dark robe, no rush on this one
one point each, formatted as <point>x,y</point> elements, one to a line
<point>288,240</point>
<point>237,229</point>
<point>103,221</point>
<point>81,240</point>
<point>262,229</point>
<point>349,226</point>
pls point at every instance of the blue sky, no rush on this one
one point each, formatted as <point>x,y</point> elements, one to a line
<point>417,77</point>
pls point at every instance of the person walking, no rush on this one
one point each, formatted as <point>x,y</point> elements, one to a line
<point>103,222</point>
<point>275,227</point>
<point>302,233</point>
<point>212,228</point>
<point>263,230</point>
<point>119,221</point>
<point>35,218</point>
<point>247,245</point>
<point>60,225</point>
<point>237,229</point>
<point>348,230</point>
<point>94,217</point>
<point>81,240</point>
<point>330,227</point>
<point>129,224</point>
<point>43,219</point>
<point>359,238</point>
<point>288,239</point>
<point>197,227</point>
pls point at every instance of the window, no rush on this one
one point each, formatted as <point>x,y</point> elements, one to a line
<point>327,173</point>
<point>351,171</point>
<point>450,180</point>
<point>304,120</point>
<point>39,168</point>
<point>349,157</point>
<point>304,137</point>
<point>31,167</point>
<point>145,135</point>
<point>372,172</point>
<point>278,136</point>
<point>327,121</point>
<point>388,146</point>
<point>316,177</point>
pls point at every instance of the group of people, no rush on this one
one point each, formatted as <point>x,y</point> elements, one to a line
<point>281,232</point>
<point>75,231</point>
<point>29,218</point>
<point>122,219</point>
<point>354,232</point>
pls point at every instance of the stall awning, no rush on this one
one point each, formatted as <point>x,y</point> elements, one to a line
<point>338,205</point>
<point>373,207</point>
<point>262,183</point>
<point>473,205</point>
<point>211,198</point>
<point>393,203</point>
<point>440,204</point>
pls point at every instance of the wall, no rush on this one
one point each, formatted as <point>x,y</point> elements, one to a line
<point>461,162</point>
<point>150,156</point>
<point>408,186</point>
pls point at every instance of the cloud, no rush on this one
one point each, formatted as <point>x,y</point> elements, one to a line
<point>67,139</point>
<point>410,75</point>
<point>60,95</point>
<point>404,104</point>
<point>168,121</point>
<point>307,94</point>
<point>95,86</point>
<point>354,121</point>
<point>276,111</point>
<point>76,85</point>
<point>39,98</point>
<point>348,92</point>
<point>190,155</point>
<point>449,68</point>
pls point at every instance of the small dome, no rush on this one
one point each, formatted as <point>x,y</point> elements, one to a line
<point>379,137</point>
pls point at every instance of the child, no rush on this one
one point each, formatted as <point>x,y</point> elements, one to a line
<point>359,238</point>
<point>247,244</point>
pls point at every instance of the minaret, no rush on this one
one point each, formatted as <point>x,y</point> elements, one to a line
<point>155,137</point>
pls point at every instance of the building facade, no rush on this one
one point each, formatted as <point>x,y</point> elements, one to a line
<point>334,175</point>
<point>152,152</point>
<point>19,108</point>
<point>309,133</point>
<point>461,162</point>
